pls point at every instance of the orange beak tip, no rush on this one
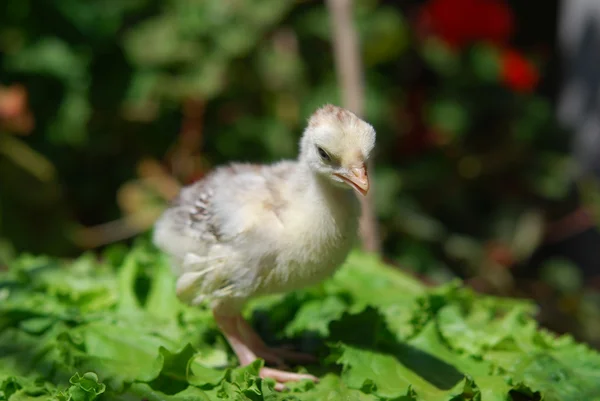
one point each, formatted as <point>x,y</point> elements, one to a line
<point>360,183</point>
<point>361,190</point>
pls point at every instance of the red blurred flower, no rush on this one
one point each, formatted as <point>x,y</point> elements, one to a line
<point>517,72</point>
<point>460,22</point>
<point>14,110</point>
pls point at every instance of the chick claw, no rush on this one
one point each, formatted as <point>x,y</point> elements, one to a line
<point>281,377</point>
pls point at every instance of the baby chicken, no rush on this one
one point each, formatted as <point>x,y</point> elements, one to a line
<point>247,230</point>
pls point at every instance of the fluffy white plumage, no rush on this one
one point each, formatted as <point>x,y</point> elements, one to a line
<point>248,230</point>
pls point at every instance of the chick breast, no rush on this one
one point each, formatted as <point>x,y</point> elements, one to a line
<point>243,231</point>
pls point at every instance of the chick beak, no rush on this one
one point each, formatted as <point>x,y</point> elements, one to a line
<point>357,178</point>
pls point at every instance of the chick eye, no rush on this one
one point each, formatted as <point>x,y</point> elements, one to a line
<point>323,154</point>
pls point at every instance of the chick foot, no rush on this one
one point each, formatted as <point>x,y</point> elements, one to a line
<point>276,355</point>
<point>248,347</point>
<point>282,354</point>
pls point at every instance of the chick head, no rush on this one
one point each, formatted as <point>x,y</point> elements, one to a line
<point>337,144</point>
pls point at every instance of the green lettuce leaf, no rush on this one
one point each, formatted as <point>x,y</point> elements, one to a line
<point>85,388</point>
<point>112,328</point>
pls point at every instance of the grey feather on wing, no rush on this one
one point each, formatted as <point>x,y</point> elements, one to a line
<point>193,208</point>
<point>191,212</point>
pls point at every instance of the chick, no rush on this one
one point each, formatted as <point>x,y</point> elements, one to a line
<point>247,230</point>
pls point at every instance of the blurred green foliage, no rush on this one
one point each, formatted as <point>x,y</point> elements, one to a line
<point>106,81</point>
<point>131,97</point>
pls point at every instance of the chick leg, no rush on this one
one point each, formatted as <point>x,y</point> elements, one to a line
<point>232,331</point>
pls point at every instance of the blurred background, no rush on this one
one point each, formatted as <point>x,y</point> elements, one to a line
<point>487,114</point>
